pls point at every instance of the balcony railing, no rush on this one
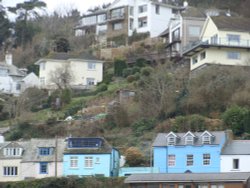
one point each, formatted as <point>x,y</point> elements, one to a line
<point>242,43</point>
<point>116,16</point>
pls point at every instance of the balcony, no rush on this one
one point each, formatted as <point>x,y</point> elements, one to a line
<point>117,16</point>
<point>197,46</point>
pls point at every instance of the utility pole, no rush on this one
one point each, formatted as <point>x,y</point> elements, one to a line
<point>56,153</point>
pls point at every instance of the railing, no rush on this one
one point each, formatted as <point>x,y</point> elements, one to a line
<point>133,170</point>
<point>116,15</point>
<point>218,42</point>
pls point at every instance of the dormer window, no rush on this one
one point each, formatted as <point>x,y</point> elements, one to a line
<point>206,139</point>
<point>171,141</point>
<point>43,151</point>
<point>12,151</point>
<point>189,140</point>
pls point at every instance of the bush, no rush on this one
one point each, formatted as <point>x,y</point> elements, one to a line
<point>119,66</point>
<point>143,125</point>
<point>131,78</point>
<point>134,157</point>
<point>189,123</point>
<point>102,87</point>
<point>66,96</point>
<point>127,72</point>
<point>146,71</point>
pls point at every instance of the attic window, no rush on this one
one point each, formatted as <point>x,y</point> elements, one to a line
<point>171,141</point>
<point>189,140</point>
<point>206,139</point>
<point>12,151</point>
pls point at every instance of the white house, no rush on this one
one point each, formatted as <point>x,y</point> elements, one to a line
<point>83,72</point>
<point>224,40</point>
<point>235,157</point>
<point>123,17</point>
<point>30,80</point>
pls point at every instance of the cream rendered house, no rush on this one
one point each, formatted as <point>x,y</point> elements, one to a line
<point>85,72</point>
<point>11,154</point>
<point>224,40</point>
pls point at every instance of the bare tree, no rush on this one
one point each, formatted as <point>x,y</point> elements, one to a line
<point>62,77</point>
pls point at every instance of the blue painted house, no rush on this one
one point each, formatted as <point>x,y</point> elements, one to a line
<point>197,152</point>
<point>90,157</point>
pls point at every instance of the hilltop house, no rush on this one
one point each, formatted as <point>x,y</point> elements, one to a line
<point>197,152</point>
<point>90,157</point>
<point>14,80</point>
<point>235,156</point>
<point>123,17</point>
<point>224,40</point>
<point>184,28</point>
<point>43,158</point>
<point>82,72</point>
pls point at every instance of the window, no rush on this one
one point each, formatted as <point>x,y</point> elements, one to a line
<point>43,168</point>
<point>189,140</point>
<point>117,13</point>
<point>131,11</point>
<point>176,34</point>
<point>88,162</point>
<point>217,186</point>
<point>102,18</point>
<point>206,139</point>
<point>194,31</point>
<point>90,81</point>
<point>45,151</point>
<point>190,160</point>
<point>142,22</point>
<point>18,86</point>
<point>117,26</point>
<point>3,72</point>
<point>42,81</point>
<point>233,38</point>
<point>91,66</point>
<point>10,170</point>
<point>97,160</point>
<point>90,20</point>
<point>214,39</point>
<point>42,66</point>
<point>202,186</point>
<point>171,141</point>
<point>206,159</point>
<point>180,186</point>
<point>203,55</point>
<point>73,162</point>
<point>194,60</point>
<point>142,8</point>
<point>131,24</point>
<point>171,160</point>
<point>233,55</point>
<point>235,164</point>
<point>157,9</point>
<point>12,151</point>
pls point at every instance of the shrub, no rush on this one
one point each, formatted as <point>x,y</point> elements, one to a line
<point>146,71</point>
<point>102,87</point>
<point>134,157</point>
<point>119,66</point>
<point>66,96</point>
<point>143,125</point>
<point>127,72</point>
<point>131,78</point>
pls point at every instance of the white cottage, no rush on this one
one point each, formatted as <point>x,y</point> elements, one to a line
<point>235,157</point>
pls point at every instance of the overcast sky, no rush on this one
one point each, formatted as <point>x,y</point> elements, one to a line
<point>62,5</point>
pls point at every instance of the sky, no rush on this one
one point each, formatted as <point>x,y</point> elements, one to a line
<point>63,5</point>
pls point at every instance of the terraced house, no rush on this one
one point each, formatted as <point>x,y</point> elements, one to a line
<point>90,157</point>
<point>191,152</point>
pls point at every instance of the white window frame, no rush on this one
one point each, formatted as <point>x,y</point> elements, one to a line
<point>238,163</point>
<point>142,9</point>
<point>88,162</point>
<point>206,159</point>
<point>233,55</point>
<point>73,162</point>
<point>12,151</point>
<point>171,160</point>
<point>206,139</point>
<point>10,171</point>
<point>91,66</point>
<point>195,60</point>
<point>189,140</point>
<point>142,22</point>
<point>190,160</point>
<point>233,38</point>
<point>194,31</point>
<point>171,140</point>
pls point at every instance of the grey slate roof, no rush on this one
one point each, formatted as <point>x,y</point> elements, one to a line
<point>231,23</point>
<point>189,177</point>
<point>14,144</point>
<point>161,138</point>
<point>237,147</point>
<point>12,70</point>
<point>31,151</point>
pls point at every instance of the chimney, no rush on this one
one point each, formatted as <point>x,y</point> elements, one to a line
<point>185,4</point>
<point>8,58</point>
